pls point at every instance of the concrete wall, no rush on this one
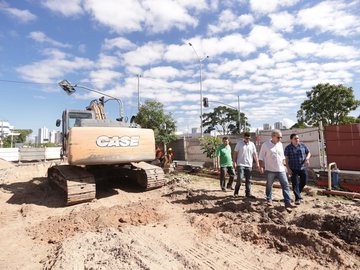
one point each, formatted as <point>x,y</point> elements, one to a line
<point>189,148</point>
<point>30,154</point>
<point>308,136</point>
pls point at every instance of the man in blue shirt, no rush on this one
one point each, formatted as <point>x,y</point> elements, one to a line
<point>297,157</point>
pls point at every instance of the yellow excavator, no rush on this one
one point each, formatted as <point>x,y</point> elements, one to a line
<point>97,148</point>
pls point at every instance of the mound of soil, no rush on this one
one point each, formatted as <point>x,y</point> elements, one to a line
<point>87,219</point>
<point>321,235</point>
<point>5,164</point>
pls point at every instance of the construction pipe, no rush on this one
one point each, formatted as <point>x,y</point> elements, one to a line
<point>342,193</point>
<point>329,174</point>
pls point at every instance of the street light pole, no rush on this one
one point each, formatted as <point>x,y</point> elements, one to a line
<point>201,95</point>
<point>239,115</point>
<point>138,88</point>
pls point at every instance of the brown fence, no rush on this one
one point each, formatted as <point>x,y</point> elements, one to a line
<point>343,146</point>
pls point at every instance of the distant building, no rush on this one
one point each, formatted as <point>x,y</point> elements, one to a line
<point>52,138</point>
<point>43,135</point>
<point>278,125</point>
<point>266,126</point>
<point>58,137</point>
<point>5,128</point>
<point>194,131</point>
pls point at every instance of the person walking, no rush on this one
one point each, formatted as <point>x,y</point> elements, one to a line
<point>297,157</point>
<point>224,160</point>
<point>272,157</point>
<point>243,157</point>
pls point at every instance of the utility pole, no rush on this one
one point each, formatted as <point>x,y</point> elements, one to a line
<point>2,134</point>
<point>239,115</point>
<point>201,94</point>
<point>138,88</point>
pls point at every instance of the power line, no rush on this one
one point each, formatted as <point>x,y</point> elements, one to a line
<point>25,82</point>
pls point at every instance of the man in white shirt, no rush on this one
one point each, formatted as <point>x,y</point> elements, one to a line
<point>243,156</point>
<point>272,154</point>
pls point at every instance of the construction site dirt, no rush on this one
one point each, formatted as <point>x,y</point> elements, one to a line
<point>187,224</point>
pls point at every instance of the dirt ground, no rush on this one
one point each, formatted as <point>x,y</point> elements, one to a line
<point>188,224</point>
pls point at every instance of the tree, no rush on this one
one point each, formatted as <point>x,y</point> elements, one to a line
<point>18,138</point>
<point>328,103</point>
<point>299,125</point>
<point>209,146</point>
<point>152,115</point>
<point>224,120</point>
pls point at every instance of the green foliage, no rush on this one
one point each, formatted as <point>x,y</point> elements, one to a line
<point>209,145</point>
<point>351,120</point>
<point>152,115</point>
<point>17,139</point>
<point>224,120</point>
<point>299,125</point>
<point>328,103</point>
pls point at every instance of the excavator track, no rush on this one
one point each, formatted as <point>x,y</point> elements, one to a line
<point>148,176</point>
<point>78,184</point>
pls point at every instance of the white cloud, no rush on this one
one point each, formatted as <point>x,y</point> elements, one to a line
<point>108,61</point>
<point>164,72</point>
<point>149,54</point>
<point>288,122</point>
<point>120,43</point>
<point>282,21</point>
<point>164,14</point>
<point>21,15</point>
<point>135,15</point>
<point>100,78</point>
<point>262,36</point>
<point>284,55</point>
<point>328,49</point>
<point>121,16</point>
<point>228,21</point>
<point>42,38</point>
<point>269,6</point>
<point>54,68</point>
<point>65,7</point>
<point>331,16</point>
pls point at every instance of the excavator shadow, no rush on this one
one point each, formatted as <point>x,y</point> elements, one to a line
<point>36,191</point>
<point>106,188</point>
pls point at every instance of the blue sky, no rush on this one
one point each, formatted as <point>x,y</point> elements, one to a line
<point>267,52</point>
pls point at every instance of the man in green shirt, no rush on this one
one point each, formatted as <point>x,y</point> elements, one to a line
<point>224,160</point>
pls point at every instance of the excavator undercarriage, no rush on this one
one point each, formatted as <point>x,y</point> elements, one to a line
<point>79,183</point>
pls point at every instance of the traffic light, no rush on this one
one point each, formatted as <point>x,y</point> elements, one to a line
<point>206,102</point>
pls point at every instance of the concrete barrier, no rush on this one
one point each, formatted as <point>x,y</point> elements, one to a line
<point>9,154</point>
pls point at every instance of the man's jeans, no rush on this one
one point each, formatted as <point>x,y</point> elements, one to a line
<point>241,172</point>
<point>296,185</point>
<point>270,178</point>
<point>223,171</point>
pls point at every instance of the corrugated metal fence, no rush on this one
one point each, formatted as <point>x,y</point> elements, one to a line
<point>343,146</point>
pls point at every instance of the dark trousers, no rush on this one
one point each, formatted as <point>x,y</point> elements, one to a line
<point>241,172</point>
<point>223,171</point>
<point>297,185</point>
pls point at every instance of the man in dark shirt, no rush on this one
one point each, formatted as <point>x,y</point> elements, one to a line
<point>297,157</point>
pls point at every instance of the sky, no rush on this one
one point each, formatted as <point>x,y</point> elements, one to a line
<point>267,53</point>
